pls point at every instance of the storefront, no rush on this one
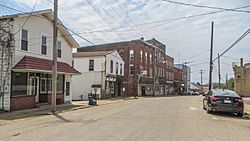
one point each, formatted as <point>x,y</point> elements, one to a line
<point>31,83</point>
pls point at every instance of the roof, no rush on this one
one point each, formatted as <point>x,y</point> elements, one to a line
<point>91,54</point>
<point>49,14</point>
<point>29,63</point>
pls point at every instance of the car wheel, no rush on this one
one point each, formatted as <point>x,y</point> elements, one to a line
<point>240,114</point>
<point>208,111</point>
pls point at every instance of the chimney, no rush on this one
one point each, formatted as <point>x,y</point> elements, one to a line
<point>241,62</point>
<point>142,38</point>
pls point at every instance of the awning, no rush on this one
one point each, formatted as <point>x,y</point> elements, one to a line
<point>29,63</point>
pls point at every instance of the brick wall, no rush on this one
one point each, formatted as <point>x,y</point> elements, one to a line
<point>22,102</point>
<point>59,99</point>
<point>123,49</point>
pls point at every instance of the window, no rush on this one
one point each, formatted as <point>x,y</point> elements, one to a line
<point>60,83</point>
<point>111,66</point>
<point>116,67</point>
<point>43,85</point>
<point>150,58</point>
<point>49,83</point>
<point>19,83</point>
<point>59,49</point>
<point>91,65</point>
<point>131,69</point>
<point>120,69</point>
<point>141,56</point>
<point>67,88</point>
<point>146,57</point>
<point>24,40</point>
<point>44,45</point>
<point>131,55</point>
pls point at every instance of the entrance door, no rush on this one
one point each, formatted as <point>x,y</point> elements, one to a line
<point>34,87</point>
<point>143,93</point>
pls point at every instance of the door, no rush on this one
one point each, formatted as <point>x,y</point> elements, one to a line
<point>143,93</point>
<point>34,87</point>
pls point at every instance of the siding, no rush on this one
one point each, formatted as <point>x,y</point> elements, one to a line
<point>36,28</point>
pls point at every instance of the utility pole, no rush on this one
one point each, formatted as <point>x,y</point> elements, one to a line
<point>201,72</point>
<point>226,81</point>
<point>54,66</point>
<point>211,58</point>
<point>219,77</point>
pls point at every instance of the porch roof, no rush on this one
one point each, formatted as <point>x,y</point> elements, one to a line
<point>44,65</point>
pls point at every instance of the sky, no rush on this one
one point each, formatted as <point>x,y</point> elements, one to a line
<point>187,40</point>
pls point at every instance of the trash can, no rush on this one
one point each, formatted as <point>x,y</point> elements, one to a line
<point>92,100</point>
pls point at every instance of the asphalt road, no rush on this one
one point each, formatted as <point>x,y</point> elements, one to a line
<point>145,119</point>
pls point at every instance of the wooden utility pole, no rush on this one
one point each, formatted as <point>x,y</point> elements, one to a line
<point>211,58</point>
<point>54,66</point>
<point>219,77</point>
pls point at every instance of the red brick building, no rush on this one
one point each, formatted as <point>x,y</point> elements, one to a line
<point>178,80</point>
<point>144,61</point>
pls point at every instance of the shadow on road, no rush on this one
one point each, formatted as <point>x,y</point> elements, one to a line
<point>39,111</point>
<point>230,115</point>
<point>61,117</point>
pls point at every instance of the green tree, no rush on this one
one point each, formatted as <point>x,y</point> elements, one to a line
<point>230,84</point>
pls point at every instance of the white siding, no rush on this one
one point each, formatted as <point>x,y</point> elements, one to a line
<point>36,28</point>
<point>81,84</point>
<point>116,58</point>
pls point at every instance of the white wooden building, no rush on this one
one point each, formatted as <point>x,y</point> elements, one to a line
<point>31,61</point>
<point>101,73</point>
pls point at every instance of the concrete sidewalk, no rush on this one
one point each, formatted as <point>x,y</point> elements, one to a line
<point>247,107</point>
<point>7,117</point>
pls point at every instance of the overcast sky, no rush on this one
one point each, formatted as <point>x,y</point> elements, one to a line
<point>187,40</point>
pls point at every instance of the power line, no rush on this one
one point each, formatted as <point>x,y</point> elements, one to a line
<point>204,6</point>
<point>96,9</point>
<point>237,41</point>
<point>27,18</point>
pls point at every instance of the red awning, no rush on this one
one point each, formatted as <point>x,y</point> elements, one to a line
<point>39,64</point>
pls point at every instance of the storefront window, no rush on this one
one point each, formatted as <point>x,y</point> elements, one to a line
<point>60,83</point>
<point>19,83</point>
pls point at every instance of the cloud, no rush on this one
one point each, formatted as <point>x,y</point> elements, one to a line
<point>187,36</point>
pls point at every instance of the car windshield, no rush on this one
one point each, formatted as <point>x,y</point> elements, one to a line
<point>225,93</point>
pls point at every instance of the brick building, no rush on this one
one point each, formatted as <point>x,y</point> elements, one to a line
<point>179,84</point>
<point>242,78</point>
<point>144,61</point>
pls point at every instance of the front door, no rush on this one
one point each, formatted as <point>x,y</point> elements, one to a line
<point>143,93</point>
<point>34,87</point>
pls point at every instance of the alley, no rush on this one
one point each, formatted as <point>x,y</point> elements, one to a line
<point>145,119</point>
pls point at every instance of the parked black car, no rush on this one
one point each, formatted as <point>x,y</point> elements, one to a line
<point>223,101</point>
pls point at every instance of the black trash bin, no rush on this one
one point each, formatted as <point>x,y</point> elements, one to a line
<point>92,100</point>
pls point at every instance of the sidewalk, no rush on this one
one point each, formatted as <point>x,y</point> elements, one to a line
<point>7,117</point>
<point>247,107</point>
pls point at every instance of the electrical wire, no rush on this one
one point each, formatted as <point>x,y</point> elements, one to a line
<point>237,41</point>
<point>204,6</point>
<point>27,18</point>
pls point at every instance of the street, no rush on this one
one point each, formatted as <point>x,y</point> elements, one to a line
<point>179,118</point>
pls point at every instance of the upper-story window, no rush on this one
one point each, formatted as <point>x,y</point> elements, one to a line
<point>24,40</point>
<point>59,49</point>
<point>44,45</point>
<point>146,57</point>
<point>116,67</point>
<point>121,69</point>
<point>111,66</point>
<point>91,65</point>
<point>141,53</point>
<point>150,58</point>
<point>131,69</point>
<point>131,55</point>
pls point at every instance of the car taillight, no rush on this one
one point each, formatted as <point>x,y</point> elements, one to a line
<point>240,100</point>
<point>214,98</point>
